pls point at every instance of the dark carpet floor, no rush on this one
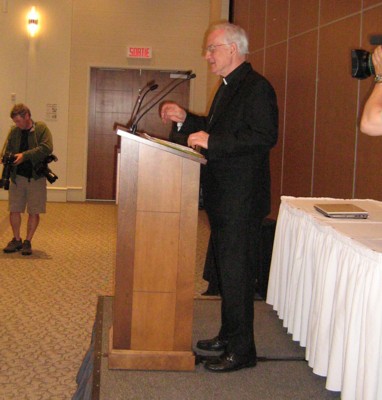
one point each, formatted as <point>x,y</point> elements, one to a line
<point>281,372</point>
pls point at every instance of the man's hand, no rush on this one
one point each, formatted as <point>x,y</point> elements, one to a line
<point>171,111</point>
<point>19,158</point>
<point>198,139</point>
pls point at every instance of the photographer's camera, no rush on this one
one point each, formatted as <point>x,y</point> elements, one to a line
<point>362,62</point>
<point>7,160</point>
<point>43,169</point>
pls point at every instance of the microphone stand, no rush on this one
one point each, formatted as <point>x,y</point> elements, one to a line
<point>139,103</point>
<point>135,124</point>
<point>129,123</point>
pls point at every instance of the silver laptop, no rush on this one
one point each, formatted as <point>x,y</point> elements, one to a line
<point>344,210</point>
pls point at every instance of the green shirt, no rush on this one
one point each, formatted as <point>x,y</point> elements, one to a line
<point>40,144</point>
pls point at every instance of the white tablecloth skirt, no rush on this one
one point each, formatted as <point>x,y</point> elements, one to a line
<point>327,289</point>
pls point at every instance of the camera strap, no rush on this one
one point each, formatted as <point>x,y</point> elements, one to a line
<point>33,129</point>
<point>5,145</point>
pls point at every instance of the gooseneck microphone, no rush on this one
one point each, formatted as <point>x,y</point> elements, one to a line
<point>151,86</point>
<point>139,117</point>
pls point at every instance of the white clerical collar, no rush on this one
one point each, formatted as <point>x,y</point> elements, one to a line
<point>225,82</point>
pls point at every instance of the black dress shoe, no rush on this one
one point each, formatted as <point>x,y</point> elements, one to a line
<point>214,344</point>
<point>229,362</point>
<point>211,292</point>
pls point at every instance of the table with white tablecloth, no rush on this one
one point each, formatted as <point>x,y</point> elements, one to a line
<point>325,283</point>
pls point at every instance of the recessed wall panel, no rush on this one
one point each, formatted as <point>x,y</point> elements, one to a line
<point>345,162</point>
<point>256,30</point>
<point>332,10</point>
<point>257,61</point>
<point>277,21</point>
<point>301,20</point>
<point>300,116</point>
<point>368,3</point>
<point>275,73</point>
<point>241,14</point>
<point>336,111</point>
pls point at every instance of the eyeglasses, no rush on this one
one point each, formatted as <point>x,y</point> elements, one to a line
<point>212,47</point>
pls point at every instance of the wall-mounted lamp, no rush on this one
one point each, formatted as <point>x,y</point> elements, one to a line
<point>32,21</point>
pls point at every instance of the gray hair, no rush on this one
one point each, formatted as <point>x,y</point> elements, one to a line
<point>233,34</point>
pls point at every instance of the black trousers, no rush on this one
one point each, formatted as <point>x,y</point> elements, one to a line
<point>210,272</point>
<point>234,243</point>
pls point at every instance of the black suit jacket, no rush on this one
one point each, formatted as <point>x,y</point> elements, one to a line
<point>244,127</point>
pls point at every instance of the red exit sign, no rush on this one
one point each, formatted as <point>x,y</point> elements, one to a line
<point>139,52</point>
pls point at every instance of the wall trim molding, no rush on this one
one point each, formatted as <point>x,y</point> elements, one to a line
<point>58,194</point>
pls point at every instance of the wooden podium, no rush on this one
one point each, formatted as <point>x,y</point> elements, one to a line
<point>156,249</point>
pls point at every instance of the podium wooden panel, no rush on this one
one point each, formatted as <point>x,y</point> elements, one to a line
<point>155,263</point>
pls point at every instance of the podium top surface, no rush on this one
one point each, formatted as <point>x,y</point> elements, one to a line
<point>165,145</point>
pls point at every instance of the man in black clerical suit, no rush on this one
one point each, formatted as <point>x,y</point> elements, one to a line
<point>236,138</point>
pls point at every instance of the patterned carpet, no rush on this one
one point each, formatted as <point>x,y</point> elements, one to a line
<point>48,300</point>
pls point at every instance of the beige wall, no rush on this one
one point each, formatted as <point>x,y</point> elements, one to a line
<point>304,48</point>
<point>219,11</point>
<point>75,35</point>
<point>36,70</point>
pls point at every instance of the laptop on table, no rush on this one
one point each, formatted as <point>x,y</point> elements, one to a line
<point>344,210</point>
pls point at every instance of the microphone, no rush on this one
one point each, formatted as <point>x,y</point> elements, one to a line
<point>135,124</point>
<point>138,103</point>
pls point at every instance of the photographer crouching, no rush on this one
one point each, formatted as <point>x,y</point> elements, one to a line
<point>29,144</point>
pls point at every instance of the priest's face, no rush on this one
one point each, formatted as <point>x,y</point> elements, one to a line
<point>219,53</point>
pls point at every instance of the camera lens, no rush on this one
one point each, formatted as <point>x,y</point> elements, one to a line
<point>362,64</point>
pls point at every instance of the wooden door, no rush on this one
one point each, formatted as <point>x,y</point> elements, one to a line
<point>113,94</point>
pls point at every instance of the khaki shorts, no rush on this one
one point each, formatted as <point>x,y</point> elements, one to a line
<point>31,194</point>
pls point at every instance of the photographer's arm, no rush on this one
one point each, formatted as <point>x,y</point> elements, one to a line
<point>371,121</point>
